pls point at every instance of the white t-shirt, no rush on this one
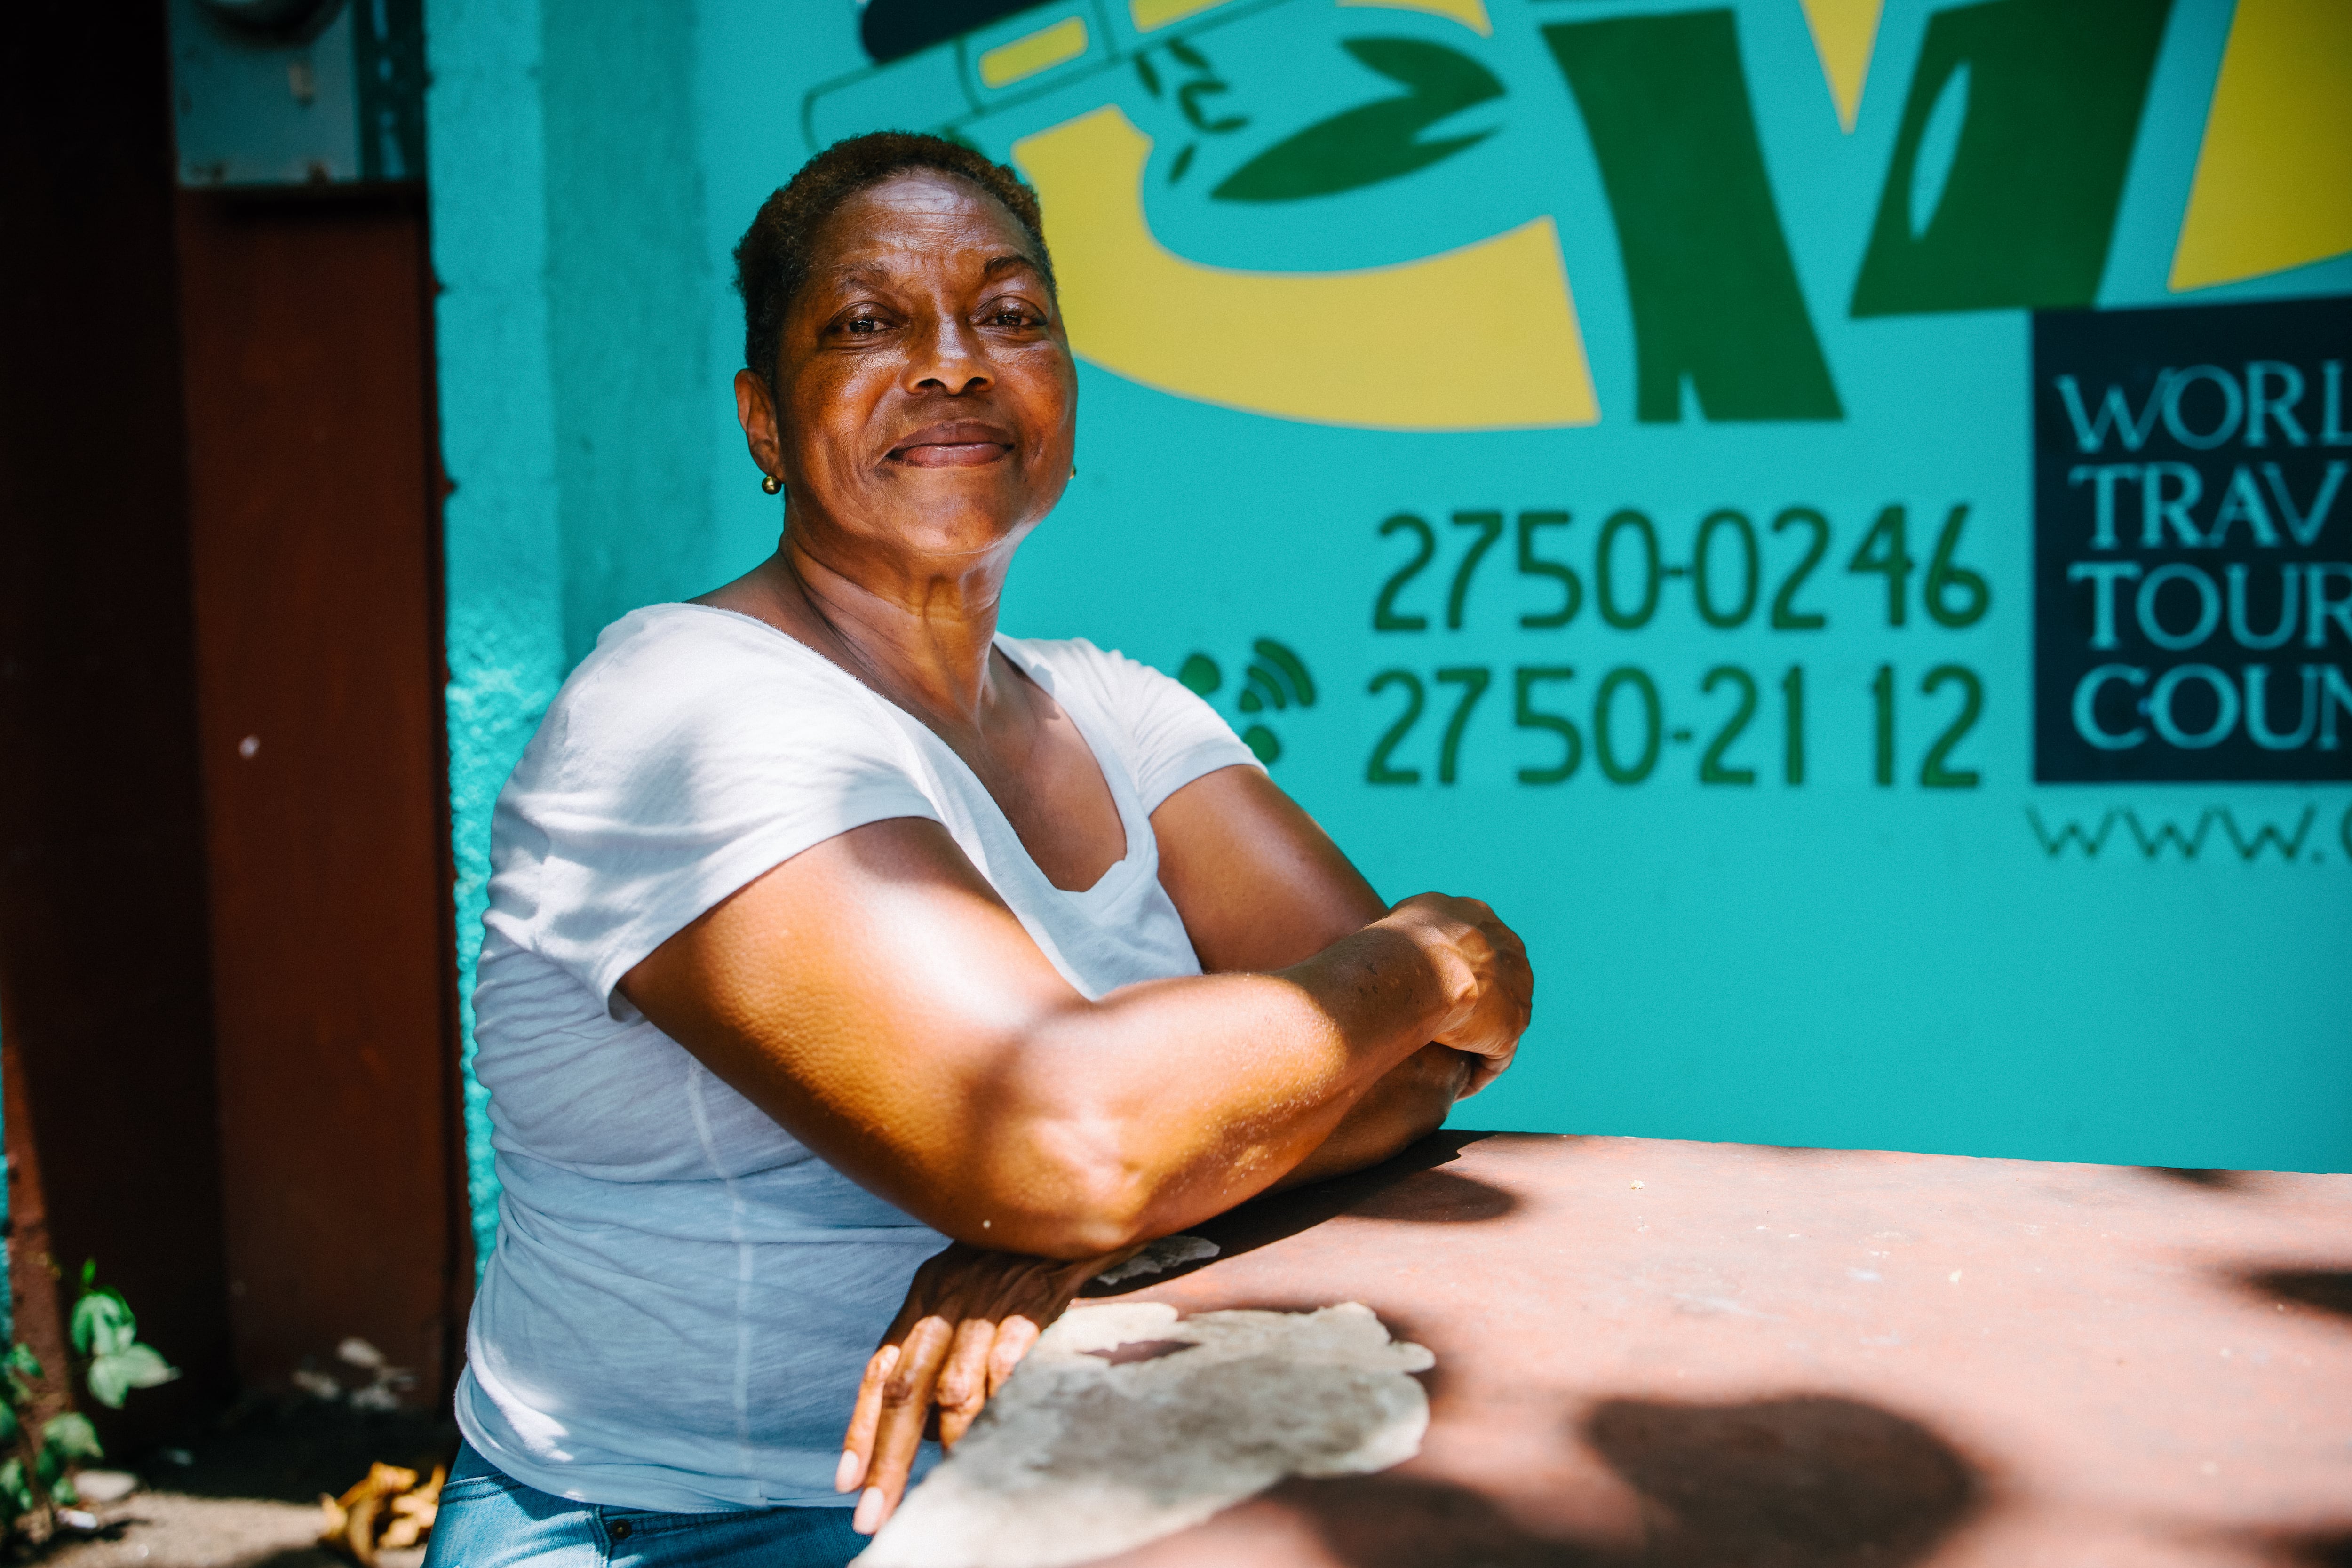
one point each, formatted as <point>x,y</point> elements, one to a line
<point>683,1297</point>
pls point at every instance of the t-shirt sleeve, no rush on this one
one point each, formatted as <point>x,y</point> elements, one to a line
<point>1172,736</point>
<point>669,778</point>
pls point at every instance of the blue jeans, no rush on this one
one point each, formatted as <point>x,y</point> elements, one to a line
<point>490,1519</point>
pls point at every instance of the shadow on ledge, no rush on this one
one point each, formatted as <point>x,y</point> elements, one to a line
<point>2323,1548</point>
<point>2329,1289</point>
<point>1412,1188</point>
<point>2327,1545</point>
<point>1815,1481</point>
<point>2212,1181</point>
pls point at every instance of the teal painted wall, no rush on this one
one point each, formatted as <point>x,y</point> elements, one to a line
<point>503,546</point>
<point>1837,962</point>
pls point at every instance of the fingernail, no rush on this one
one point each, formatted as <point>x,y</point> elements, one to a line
<point>844,1474</point>
<point>870,1512</point>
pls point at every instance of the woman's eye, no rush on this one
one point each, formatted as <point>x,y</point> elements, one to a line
<point>862,325</point>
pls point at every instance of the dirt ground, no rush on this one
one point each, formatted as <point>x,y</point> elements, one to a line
<point>248,1495</point>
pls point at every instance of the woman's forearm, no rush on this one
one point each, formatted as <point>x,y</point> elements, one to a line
<point>876,997</point>
<point>1406,1106</point>
<point>1165,1103</point>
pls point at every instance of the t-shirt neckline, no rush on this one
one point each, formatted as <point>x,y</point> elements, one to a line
<point>1134,825</point>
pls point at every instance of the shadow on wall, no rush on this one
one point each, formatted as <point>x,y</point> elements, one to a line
<point>1815,1481</point>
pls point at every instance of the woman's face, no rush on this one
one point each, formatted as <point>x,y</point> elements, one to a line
<point>926,400</point>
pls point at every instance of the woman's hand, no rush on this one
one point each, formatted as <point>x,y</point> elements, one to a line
<point>969,1318</point>
<point>1484,966</point>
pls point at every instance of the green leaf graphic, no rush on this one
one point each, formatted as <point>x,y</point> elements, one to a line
<point>1373,141</point>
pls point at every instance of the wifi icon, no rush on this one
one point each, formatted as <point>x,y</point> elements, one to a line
<point>1276,678</point>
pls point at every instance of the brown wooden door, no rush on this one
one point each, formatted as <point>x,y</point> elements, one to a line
<point>312,487</point>
<point>226,970</point>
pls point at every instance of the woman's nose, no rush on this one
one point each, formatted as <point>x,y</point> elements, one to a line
<point>948,354</point>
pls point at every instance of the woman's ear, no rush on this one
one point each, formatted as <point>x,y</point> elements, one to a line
<point>755,410</point>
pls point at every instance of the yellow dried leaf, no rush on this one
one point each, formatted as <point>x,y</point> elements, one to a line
<point>359,1534</point>
<point>382,1481</point>
<point>391,1478</point>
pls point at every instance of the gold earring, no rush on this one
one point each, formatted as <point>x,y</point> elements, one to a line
<point>769,483</point>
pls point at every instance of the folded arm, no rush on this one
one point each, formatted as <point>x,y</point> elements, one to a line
<point>875,996</point>
<point>1261,887</point>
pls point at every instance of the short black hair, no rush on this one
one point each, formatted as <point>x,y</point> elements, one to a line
<point>771,260</point>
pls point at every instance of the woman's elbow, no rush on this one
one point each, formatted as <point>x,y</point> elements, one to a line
<point>1083,1192</point>
<point>1069,1232</point>
<point>1075,1237</point>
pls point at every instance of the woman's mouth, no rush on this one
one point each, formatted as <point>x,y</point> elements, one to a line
<point>958,443</point>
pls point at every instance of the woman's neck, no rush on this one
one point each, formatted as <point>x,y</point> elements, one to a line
<point>921,633</point>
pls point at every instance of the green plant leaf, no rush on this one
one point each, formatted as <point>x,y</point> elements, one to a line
<point>108,1384</point>
<point>65,1439</point>
<point>71,1437</point>
<point>148,1367</point>
<point>16,1490</point>
<point>1372,141</point>
<point>23,1363</point>
<point>9,1426</point>
<point>112,1378</point>
<point>102,1322</point>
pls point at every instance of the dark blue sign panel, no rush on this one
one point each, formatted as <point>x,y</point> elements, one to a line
<point>2192,560</point>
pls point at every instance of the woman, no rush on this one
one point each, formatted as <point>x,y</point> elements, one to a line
<point>844,956</point>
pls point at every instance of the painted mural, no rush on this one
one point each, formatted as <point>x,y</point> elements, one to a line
<point>1832,516</point>
<point>1999,192</point>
